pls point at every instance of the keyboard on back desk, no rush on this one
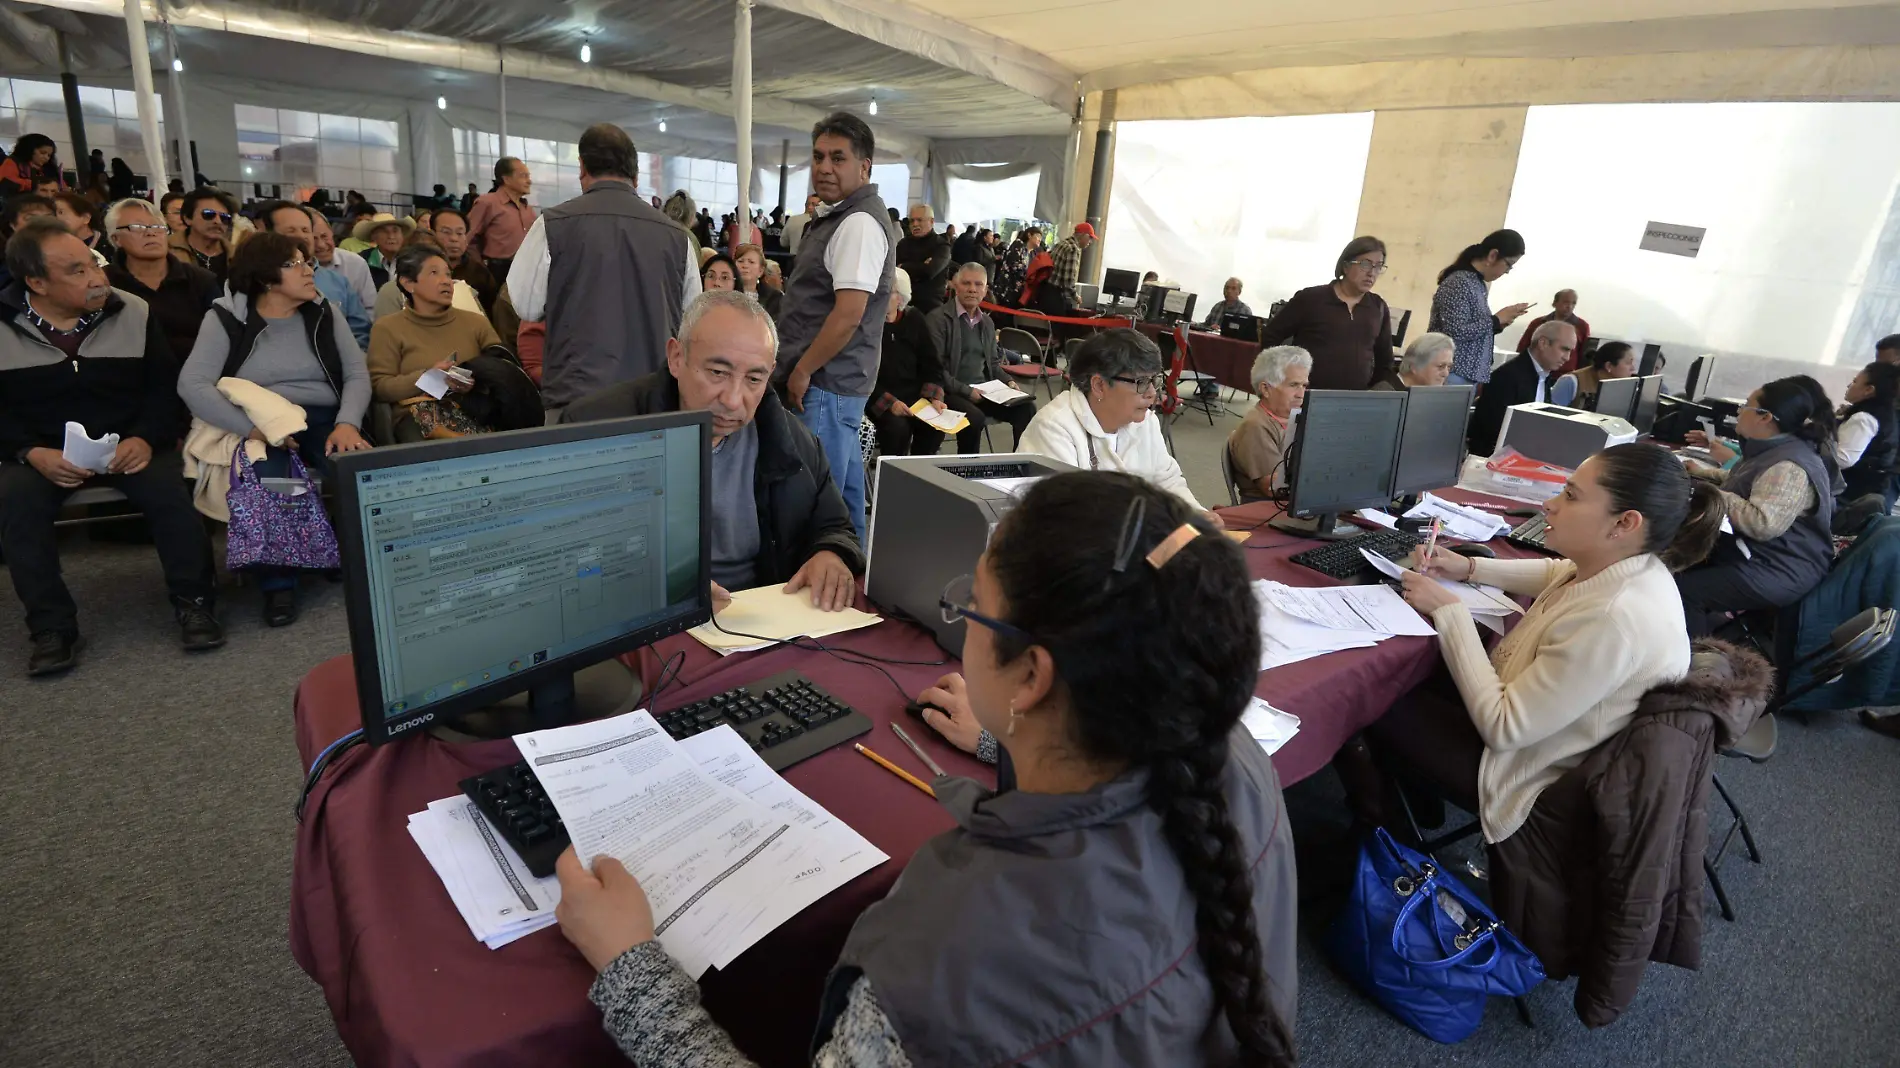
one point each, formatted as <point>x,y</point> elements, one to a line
<point>1530,533</point>
<point>785,718</point>
<point>1341,559</point>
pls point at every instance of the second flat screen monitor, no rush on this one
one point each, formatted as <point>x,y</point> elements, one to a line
<point>1432,439</point>
<point>1617,396</point>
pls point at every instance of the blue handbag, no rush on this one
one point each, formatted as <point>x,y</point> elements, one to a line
<point>1424,946</point>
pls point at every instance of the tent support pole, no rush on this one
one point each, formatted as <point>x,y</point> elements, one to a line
<point>742,113</point>
<point>1098,183</point>
<point>141,51</point>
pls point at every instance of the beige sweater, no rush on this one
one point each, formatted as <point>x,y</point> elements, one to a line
<point>1567,678</point>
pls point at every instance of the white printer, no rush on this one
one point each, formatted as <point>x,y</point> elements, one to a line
<point>1562,436</point>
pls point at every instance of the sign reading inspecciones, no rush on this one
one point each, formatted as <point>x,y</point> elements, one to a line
<point>1672,239</point>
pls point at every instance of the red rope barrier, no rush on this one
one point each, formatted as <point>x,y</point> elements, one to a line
<point>1101,322</point>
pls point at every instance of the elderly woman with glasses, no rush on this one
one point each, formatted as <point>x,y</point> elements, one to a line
<point>1259,444</point>
<point>1102,423</point>
<point>274,330</point>
<point>1344,325</point>
<point>1427,362</point>
<point>178,293</point>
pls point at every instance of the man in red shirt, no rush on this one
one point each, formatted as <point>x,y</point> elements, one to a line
<point>501,219</point>
<point>1563,310</point>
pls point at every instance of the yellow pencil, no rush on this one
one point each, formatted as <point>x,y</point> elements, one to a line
<point>895,770</point>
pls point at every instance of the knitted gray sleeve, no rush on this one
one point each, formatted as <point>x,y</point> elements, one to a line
<point>652,1010</point>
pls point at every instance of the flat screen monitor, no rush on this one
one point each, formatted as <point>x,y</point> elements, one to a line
<point>1119,283</point>
<point>1646,365</point>
<point>1240,325</point>
<point>1344,451</point>
<point>1432,438</point>
<point>1648,398</point>
<point>488,566</point>
<point>1616,396</point>
<point>1148,305</point>
<point>1401,322</point>
<point>1701,378</point>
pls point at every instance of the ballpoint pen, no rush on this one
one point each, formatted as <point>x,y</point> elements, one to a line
<point>915,748</point>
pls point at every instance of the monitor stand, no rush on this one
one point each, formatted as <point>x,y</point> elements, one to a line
<point>594,692</point>
<point>1325,526</point>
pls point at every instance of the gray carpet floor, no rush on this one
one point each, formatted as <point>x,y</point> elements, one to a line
<point>145,855</point>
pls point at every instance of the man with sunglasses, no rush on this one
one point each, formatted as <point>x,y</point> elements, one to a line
<point>207,239</point>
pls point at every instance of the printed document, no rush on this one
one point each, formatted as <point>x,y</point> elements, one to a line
<point>947,420</point>
<point>1481,600</point>
<point>708,856</point>
<point>434,382</point>
<point>996,392</point>
<point>770,612</point>
<point>1269,726</point>
<point>486,879</point>
<point>1465,524</point>
<point>1379,609</point>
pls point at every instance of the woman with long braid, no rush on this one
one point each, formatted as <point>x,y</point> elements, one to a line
<point>1131,901</point>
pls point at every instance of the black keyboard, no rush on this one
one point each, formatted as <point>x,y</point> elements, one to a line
<point>1530,534</point>
<point>512,799</point>
<point>785,718</point>
<point>1341,559</point>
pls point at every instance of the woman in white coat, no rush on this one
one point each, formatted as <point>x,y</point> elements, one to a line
<point>1102,422</point>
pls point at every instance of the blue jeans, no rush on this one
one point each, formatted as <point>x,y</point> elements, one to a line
<point>833,419</point>
<point>276,464</point>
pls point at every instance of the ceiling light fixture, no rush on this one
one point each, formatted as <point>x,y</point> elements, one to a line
<point>662,125</point>
<point>178,65</point>
<point>874,105</point>
<point>441,103</point>
<point>587,51</point>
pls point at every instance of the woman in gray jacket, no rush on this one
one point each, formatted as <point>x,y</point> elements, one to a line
<point>1131,901</point>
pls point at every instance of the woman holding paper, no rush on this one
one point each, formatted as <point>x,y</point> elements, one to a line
<point>1605,628</point>
<point>907,371</point>
<point>1112,644</point>
<point>429,334</point>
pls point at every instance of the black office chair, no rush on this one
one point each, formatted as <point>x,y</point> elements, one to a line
<point>1852,642</point>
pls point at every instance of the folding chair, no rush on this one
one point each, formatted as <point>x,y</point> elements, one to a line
<point>1854,641</point>
<point>1227,475</point>
<point>1039,372</point>
<point>1178,373</point>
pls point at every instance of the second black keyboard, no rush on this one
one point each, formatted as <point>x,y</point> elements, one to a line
<point>1530,533</point>
<point>786,718</point>
<point>1341,559</point>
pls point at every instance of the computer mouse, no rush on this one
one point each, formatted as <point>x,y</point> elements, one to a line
<point>1474,550</point>
<point>916,708</point>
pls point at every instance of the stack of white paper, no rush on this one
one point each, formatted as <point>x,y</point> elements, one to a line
<point>83,450</point>
<point>492,889</point>
<point>996,392</point>
<point>1301,623</point>
<point>1270,726</point>
<point>1466,524</point>
<point>725,855</point>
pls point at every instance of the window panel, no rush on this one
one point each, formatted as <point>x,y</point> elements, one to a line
<point>303,124</point>
<point>339,128</point>
<point>381,159</point>
<point>258,119</point>
<point>379,132</point>
<point>335,154</point>
<point>43,96</point>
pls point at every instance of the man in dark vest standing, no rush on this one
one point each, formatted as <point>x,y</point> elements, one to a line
<point>609,274</point>
<point>831,325</point>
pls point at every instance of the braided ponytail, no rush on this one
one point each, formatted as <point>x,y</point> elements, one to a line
<point>1158,663</point>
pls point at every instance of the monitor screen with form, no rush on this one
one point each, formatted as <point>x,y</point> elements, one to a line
<point>1432,438</point>
<point>473,573</point>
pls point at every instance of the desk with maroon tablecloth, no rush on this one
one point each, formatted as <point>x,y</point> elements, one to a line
<point>406,983</point>
<point>1228,360</point>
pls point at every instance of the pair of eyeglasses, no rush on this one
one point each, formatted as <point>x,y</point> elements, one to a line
<point>145,228</point>
<point>1367,265</point>
<point>1763,412</point>
<point>213,213</point>
<point>1147,387</point>
<point>958,602</point>
<point>299,265</point>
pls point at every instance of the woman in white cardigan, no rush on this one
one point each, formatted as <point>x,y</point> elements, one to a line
<point>1102,422</point>
<point>1607,626</point>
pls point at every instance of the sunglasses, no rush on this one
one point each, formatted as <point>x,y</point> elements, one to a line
<point>213,213</point>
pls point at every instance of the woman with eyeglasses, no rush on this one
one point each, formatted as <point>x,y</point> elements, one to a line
<point>1101,423</point>
<point>178,293</point>
<point>1780,500</point>
<point>1131,901</point>
<point>1344,325</point>
<point>1462,305</point>
<point>276,331</point>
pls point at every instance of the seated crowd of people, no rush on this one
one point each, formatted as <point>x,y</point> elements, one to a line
<point>277,348</point>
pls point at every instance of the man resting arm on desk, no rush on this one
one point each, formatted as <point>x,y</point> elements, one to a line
<point>776,514</point>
